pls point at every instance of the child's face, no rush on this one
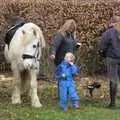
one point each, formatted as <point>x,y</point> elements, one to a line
<point>70,59</point>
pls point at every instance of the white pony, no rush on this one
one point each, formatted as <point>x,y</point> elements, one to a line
<point>24,52</point>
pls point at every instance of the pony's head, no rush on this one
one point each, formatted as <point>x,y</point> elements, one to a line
<point>24,41</point>
<point>32,32</point>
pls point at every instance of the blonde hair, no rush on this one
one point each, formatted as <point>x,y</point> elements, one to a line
<point>117,27</point>
<point>66,26</point>
<point>116,18</point>
<point>68,55</point>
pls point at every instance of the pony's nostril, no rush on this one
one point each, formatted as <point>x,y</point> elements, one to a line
<point>23,31</point>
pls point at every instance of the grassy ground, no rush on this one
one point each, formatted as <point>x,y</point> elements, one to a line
<point>91,109</point>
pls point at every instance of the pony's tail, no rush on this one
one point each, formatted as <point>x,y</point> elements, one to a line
<point>42,39</point>
<point>6,54</point>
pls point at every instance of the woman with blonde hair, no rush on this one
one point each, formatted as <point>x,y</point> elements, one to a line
<point>65,41</point>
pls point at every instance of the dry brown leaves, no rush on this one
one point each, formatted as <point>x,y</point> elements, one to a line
<point>92,19</point>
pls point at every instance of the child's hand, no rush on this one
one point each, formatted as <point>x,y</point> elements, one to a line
<point>71,63</point>
<point>63,75</point>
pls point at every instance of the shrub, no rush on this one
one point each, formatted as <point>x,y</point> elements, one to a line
<point>92,19</point>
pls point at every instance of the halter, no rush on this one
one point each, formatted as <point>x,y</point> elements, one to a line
<point>36,54</point>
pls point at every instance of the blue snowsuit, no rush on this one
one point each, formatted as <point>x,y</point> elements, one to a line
<point>67,86</point>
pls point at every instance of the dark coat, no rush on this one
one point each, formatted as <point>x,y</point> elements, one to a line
<point>63,44</point>
<point>110,44</point>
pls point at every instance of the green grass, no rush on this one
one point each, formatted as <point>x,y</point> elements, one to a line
<point>91,109</point>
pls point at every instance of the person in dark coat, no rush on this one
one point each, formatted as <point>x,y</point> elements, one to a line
<point>110,49</point>
<point>64,41</point>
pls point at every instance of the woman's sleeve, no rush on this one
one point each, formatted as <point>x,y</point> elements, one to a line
<point>76,45</point>
<point>56,43</point>
<point>104,43</point>
<point>58,72</point>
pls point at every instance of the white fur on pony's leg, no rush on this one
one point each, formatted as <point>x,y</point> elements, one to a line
<point>16,87</point>
<point>33,89</point>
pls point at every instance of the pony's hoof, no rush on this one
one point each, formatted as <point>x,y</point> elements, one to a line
<point>37,105</point>
<point>16,101</point>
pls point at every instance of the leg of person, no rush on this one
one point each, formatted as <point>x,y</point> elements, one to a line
<point>56,64</point>
<point>63,95</point>
<point>112,69</point>
<point>58,90</point>
<point>73,95</point>
<point>119,71</point>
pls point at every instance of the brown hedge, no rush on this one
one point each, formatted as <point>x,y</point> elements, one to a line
<point>92,19</point>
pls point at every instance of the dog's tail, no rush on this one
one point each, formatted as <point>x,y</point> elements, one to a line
<point>97,85</point>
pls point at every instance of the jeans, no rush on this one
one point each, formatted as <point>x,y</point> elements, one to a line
<point>113,72</point>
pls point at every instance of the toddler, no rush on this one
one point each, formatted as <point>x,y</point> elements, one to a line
<point>65,73</point>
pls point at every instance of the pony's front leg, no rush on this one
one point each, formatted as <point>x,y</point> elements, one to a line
<point>33,89</point>
<point>16,87</point>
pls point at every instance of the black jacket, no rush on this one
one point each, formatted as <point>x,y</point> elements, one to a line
<point>63,44</point>
<point>110,44</point>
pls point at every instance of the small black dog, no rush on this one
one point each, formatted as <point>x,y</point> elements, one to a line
<point>92,86</point>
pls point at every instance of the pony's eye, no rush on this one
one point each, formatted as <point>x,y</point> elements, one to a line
<point>34,46</point>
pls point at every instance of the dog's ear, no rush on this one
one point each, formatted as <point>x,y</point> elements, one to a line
<point>93,80</point>
<point>87,81</point>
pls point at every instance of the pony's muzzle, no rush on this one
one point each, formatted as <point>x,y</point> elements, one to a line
<point>29,64</point>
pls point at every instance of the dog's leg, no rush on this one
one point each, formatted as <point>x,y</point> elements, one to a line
<point>102,93</point>
<point>85,92</point>
<point>16,85</point>
<point>90,92</point>
<point>33,89</point>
